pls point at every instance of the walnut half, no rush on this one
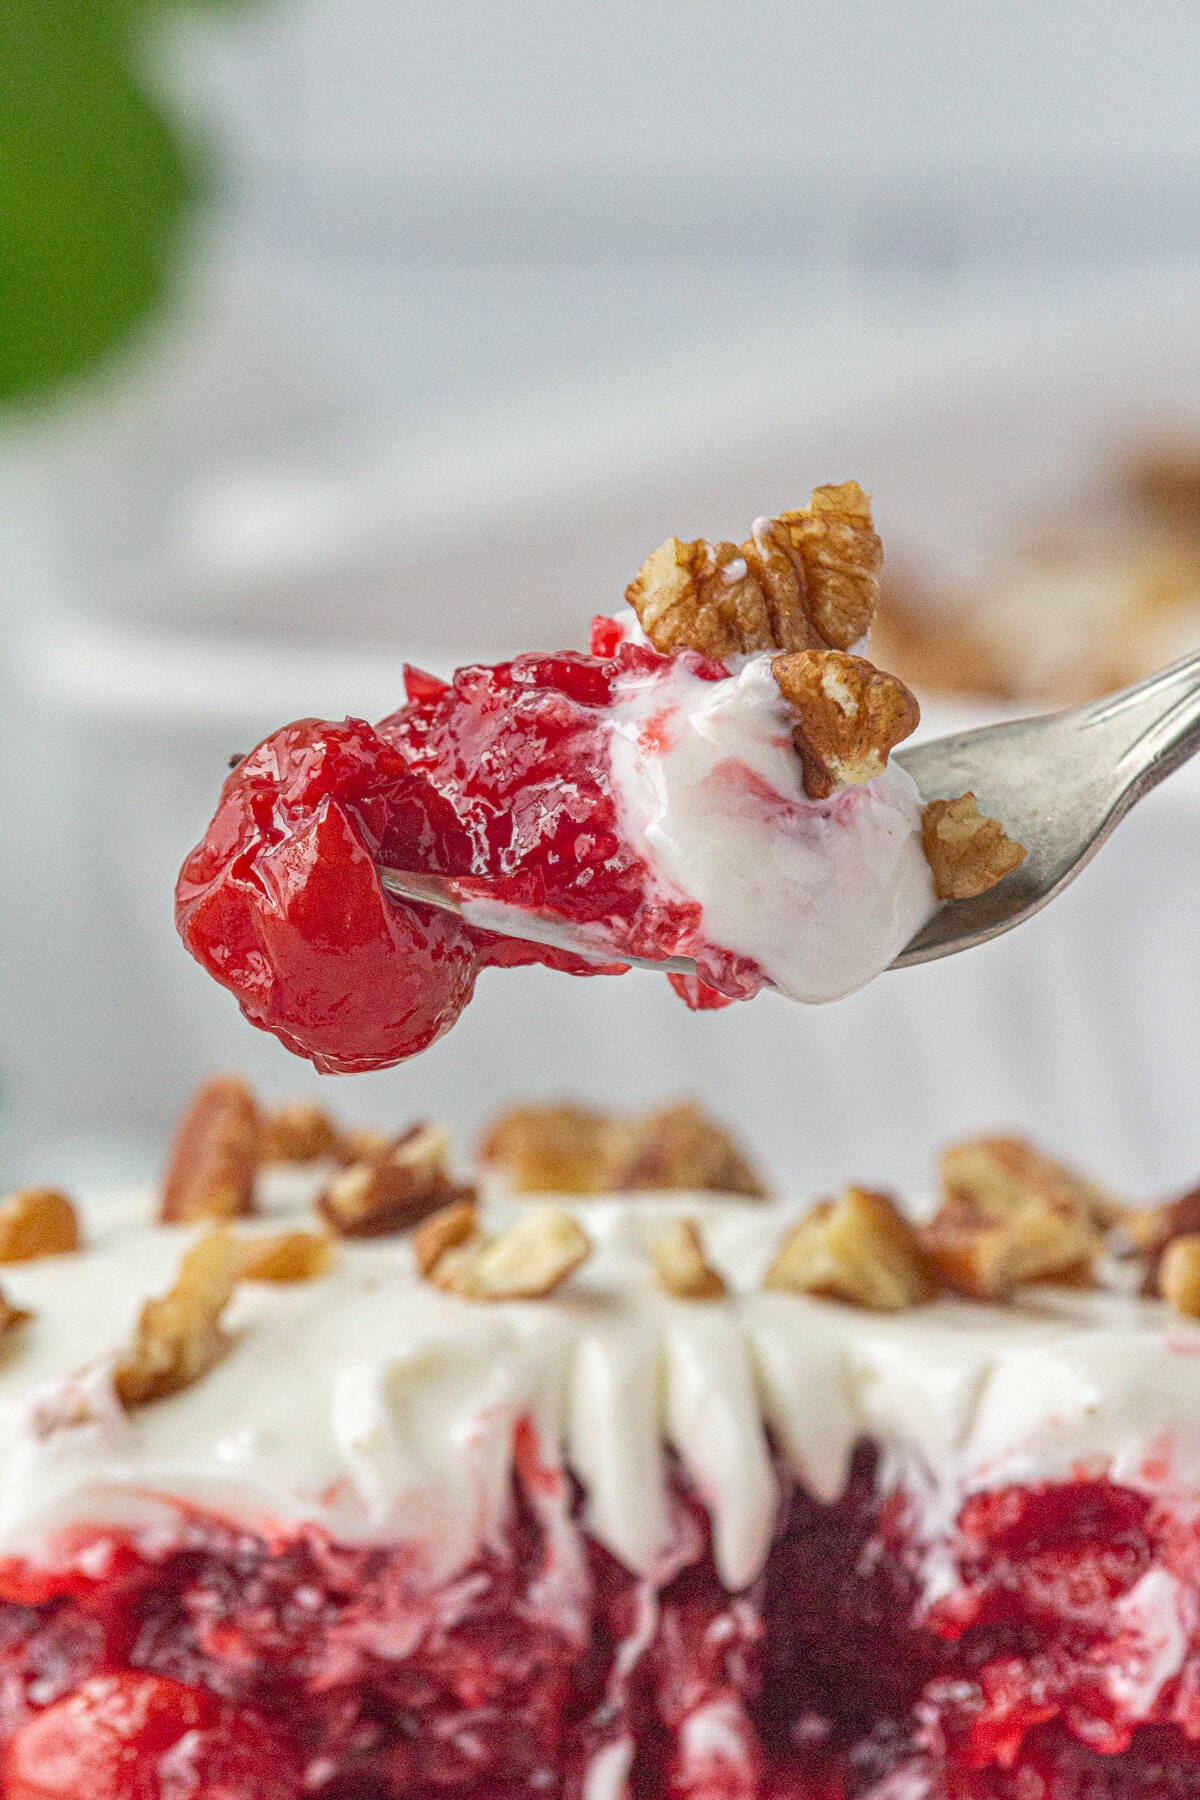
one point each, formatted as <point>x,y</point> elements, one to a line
<point>849,717</point>
<point>806,580</point>
<point>860,1249</point>
<point>967,852</point>
<point>527,1262</point>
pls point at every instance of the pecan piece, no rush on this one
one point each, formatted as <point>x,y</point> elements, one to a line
<point>214,1158</point>
<point>681,1265</point>
<point>37,1222</point>
<point>179,1337</point>
<point>683,1147</point>
<point>967,851</point>
<point>298,1133</point>
<point>527,1262</point>
<point>393,1189</point>
<point>861,1249</point>
<point>851,716</point>
<point>553,1149</point>
<point>1011,1215</point>
<point>287,1256</point>
<point>806,580</point>
<point>1179,1274</point>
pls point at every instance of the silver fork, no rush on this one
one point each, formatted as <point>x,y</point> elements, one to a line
<point>1059,783</point>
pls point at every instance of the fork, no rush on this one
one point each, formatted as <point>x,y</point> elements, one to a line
<point>1060,783</point>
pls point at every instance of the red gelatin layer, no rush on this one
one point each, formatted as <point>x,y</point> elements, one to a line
<point>227,1668</point>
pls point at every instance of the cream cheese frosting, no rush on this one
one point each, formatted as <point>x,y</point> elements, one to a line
<point>371,1404</point>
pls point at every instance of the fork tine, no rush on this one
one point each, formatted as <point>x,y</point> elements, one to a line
<point>470,899</point>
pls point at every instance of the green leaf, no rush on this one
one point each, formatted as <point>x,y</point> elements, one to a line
<point>95,191</point>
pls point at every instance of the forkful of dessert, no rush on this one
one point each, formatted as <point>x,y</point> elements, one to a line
<point>715,792</point>
<point>1053,787</point>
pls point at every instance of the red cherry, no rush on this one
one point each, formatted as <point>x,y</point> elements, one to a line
<point>105,1741</point>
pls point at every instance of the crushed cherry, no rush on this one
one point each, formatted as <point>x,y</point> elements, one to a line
<point>230,1668</point>
<point>501,773</point>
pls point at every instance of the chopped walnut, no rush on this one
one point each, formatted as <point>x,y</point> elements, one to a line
<point>553,1149</point>
<point>1153,1229</point>
<point>1011,1215</point>
<point>578,1150</point>
<point>1179,1274</point>
<point>682,1147</point>
<point>860,1249</point>
<point>967,851</point>
<point>361,1143</point>
<point>288,1256</point>
<point>999,1176</point>
<point>527,1262</point>
<point>37,1222</point>
<point>11,1316</point>
<point>214,1158</point>
<point>298,1133</point>
<point>806,580</point>
<point>449,1229</point>
<point>681,1265</point>
<point>393,1189</point>
<point>179,1337</point>
<point>851,717</point>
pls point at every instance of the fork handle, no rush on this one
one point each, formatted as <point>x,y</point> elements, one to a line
<point>1148,730</point>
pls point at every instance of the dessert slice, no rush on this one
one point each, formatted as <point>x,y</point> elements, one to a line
<point>664,1495</point>
<point>712,782</point>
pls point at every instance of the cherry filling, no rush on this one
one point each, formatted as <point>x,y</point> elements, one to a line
<point>229,1668</point>
<point>502,773</point>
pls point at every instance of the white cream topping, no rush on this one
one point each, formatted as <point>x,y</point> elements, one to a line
<point>374,1405</point>
<point>821,894</point>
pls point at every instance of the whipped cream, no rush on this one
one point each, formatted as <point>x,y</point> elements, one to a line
<point>371,1404</point>
<point>821,894</point>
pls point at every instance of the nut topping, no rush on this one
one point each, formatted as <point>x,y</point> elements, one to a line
<point>682,1147</point>
<point>11,1316</point>
<point>527,1262</point>
<point>179,1337</point>
<point>553,1149</point>
<point>298,1133</point>
<point>447,1230</point>
<point>214,1158</point>
<point>850,718</point>
<point>806,580</point>
<point>860,1249</point>
<point>1179,1274</point>
<point>1151,1231</point>
<point>681,1265</point>
<point>967,851</point>
<point>578,1150</point>
<point>288,1256</point>
<point>37,1222</point>
<point>393,1189</point>
<point>1011,1215</point>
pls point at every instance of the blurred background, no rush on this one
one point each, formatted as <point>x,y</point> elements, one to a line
<point>340,332</point>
